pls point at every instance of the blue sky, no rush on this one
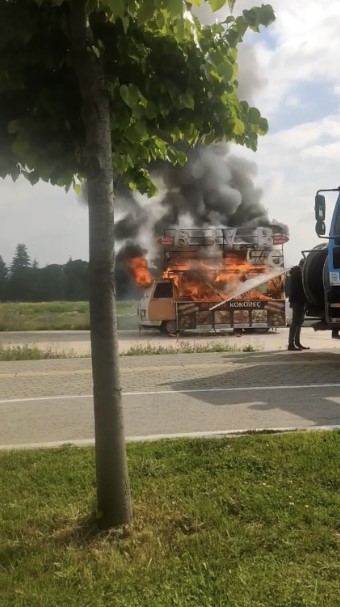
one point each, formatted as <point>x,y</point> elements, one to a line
<point>306,102</point>
<point>297,87</point>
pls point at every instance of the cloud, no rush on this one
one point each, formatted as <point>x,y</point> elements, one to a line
<point>306,47</point>
<point>292,164</point>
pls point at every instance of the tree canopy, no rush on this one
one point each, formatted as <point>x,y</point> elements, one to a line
<point>172,83</point>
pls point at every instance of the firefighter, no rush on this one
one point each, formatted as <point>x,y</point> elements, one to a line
<point>297,300</point>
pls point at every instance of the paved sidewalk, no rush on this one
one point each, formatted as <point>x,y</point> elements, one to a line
<point>24,379</point>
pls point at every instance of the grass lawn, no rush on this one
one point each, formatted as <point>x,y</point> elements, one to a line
<point>59,315</point>
<point>245,522</point>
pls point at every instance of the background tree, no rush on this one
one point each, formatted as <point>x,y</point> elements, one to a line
<point>98,89</point>
<point>19,283</point>
<point>76,280</point>
<point>3,280</point>
<point>21,259</point>
<point>51,283</point>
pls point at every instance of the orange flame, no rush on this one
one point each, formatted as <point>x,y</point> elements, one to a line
<point>142,276</point>
<point>211,280</point>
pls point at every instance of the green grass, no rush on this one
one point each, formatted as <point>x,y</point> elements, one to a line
<point>33,353</point>
<point>59,315</point>
<point>27,352</point>
<point>246,522</point>
<point>186,347</point>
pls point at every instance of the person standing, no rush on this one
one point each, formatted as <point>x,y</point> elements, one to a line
<point>297,301</point>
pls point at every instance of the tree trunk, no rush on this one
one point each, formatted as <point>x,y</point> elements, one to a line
<point>114,505</point>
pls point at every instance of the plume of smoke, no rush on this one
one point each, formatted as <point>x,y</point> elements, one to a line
<point>213,189</point>
<point>128,226</point>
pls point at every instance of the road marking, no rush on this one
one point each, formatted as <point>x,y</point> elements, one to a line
<point>88,442</point>
<point>188,391</point>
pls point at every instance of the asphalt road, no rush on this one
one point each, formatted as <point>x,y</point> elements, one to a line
<point>50,401</point>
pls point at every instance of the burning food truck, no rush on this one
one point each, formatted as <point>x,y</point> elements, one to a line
<point>215,279</point>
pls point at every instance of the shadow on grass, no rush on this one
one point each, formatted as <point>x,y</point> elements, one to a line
<point>86,531</point>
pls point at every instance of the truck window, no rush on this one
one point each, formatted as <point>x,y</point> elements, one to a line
<point>163,289</point>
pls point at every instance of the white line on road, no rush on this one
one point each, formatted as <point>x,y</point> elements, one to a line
<point>87,442</point>
<point>188,391</point>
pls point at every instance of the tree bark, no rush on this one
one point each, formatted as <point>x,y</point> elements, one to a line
<point>114,504</point>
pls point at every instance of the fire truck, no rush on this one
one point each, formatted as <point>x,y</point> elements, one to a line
<point>217,279</point>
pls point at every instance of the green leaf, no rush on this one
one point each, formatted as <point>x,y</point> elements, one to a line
<point>195,2</point>
<point>130,95</point>
<point>226,70</point>
<point>186,100</point>
<point>231,4</point>
<point>181,158</point>
<point>146,11</point>
<point>266,14</point>
<point>217,4</point>
<point>229,19</point>
<point>254,17</point>
<point>174,7</point>
<point>76,187</point>
<point>263,125</point>
<point>172,155</point>
<point>238,127</point>
<point>135,132</point>
<point>235,34</point>
<point>254,114</point>
<point>209,139</point>
<point>150,111</point>
<point>117,7</point>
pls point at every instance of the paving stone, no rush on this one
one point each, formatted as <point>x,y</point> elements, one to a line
<point>29,379</point>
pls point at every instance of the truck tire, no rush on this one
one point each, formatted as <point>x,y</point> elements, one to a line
<point>169,327</point>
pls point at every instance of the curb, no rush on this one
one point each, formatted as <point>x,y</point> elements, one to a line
<point>158,437</point>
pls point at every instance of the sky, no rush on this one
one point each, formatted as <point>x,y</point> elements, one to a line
<point>295,67</point>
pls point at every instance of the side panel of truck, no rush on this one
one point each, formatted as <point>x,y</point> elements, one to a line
<point>234,314</point>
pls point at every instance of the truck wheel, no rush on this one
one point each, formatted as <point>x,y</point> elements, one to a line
<point>169,327</point>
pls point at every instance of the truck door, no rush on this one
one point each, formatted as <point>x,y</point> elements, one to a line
<point>162,302</point>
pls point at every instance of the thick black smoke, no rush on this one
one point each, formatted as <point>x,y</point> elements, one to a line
<point>128,227</point>
<point>212,189</point>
